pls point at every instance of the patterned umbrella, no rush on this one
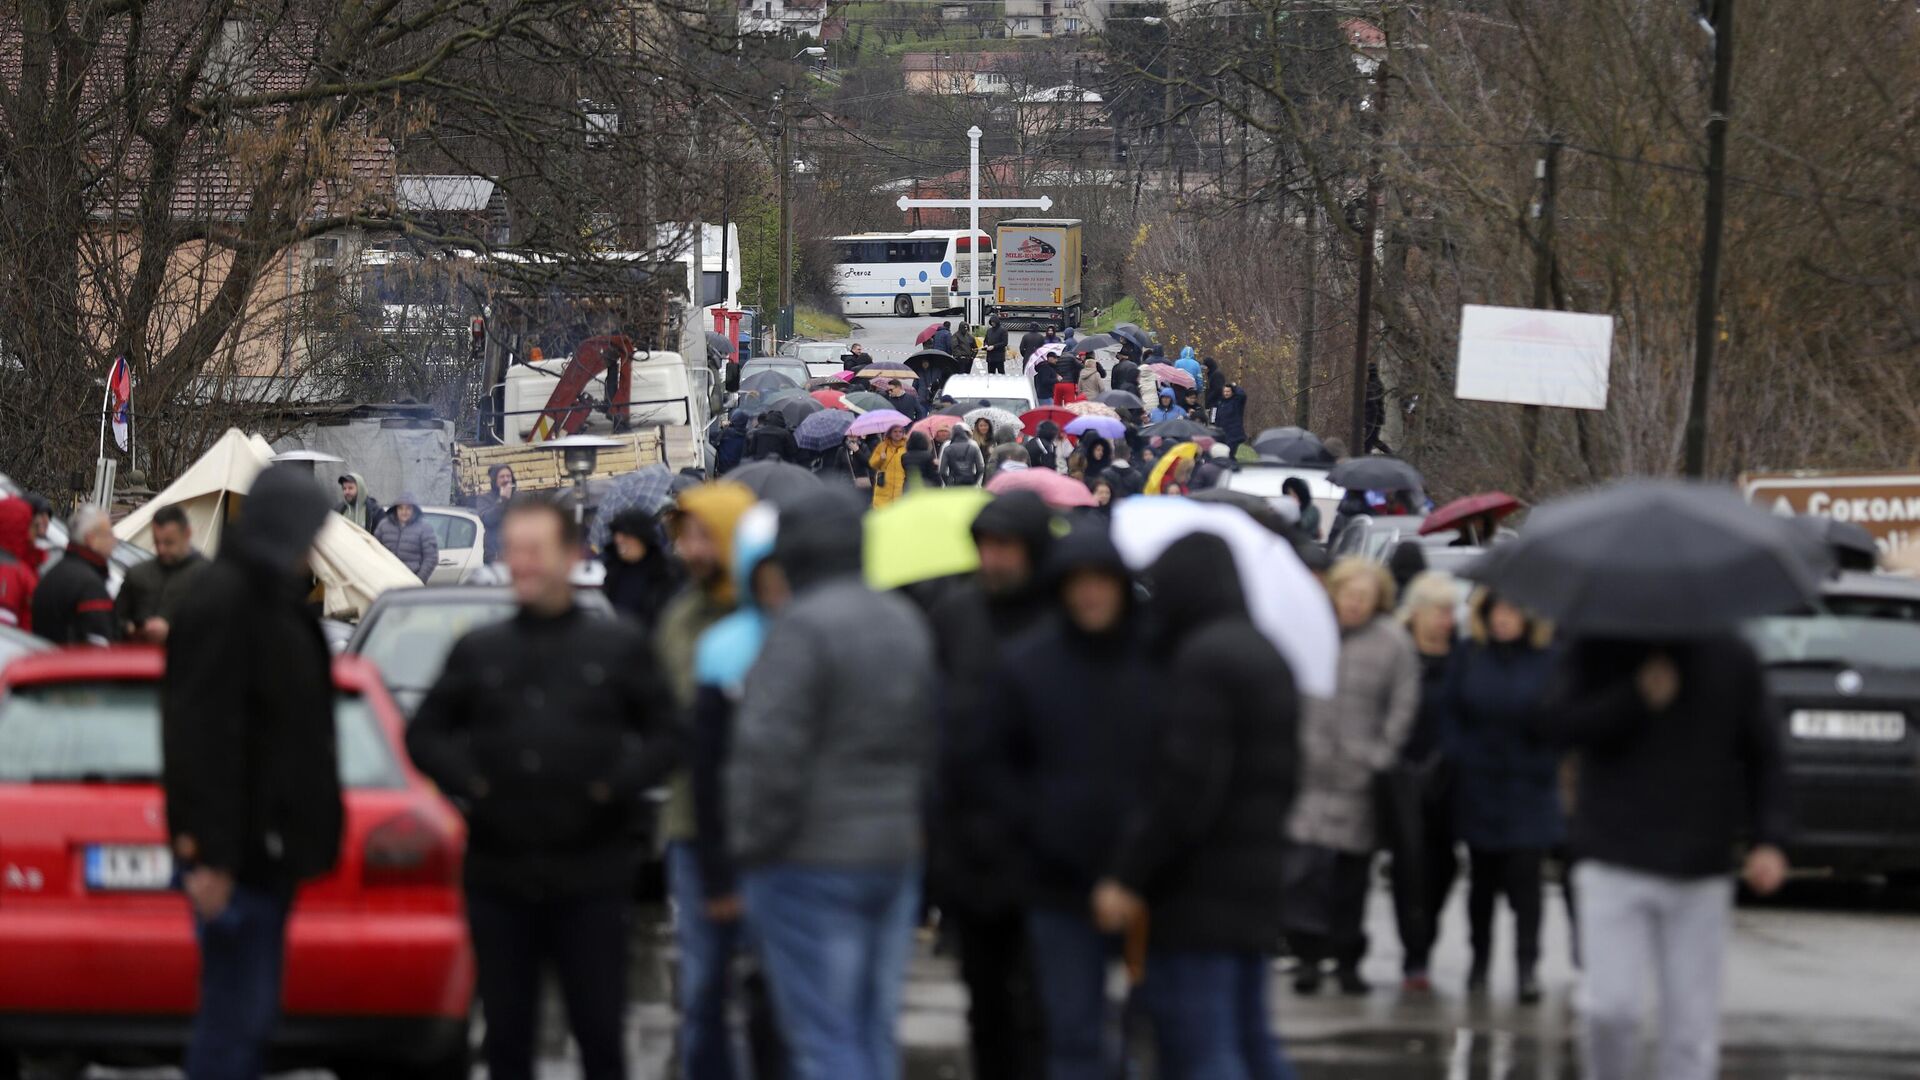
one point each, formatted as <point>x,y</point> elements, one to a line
<point>1092,408</point>
<point>650,489</point>
<point>1045,352</point>
<point>999,418</point>
<point>878,422</point>
<point>823,429</point>
<point>1167,373</point>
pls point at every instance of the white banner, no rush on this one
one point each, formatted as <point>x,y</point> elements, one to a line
<point>1524,356</point>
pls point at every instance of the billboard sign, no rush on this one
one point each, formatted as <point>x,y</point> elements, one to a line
<point>1524,356</point>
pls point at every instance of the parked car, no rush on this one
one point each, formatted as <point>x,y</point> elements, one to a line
<point>1846,682</point>
<point>1013,393</point>
<point>101,964</point>
<point>1264,479</point>
<point>408,633</point>
<point>823,358</point>
<point>462,539</point>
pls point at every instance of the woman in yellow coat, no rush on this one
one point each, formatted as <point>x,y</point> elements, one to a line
<point>889,471</point>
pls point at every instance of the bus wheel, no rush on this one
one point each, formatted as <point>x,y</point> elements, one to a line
<point>903,306</point>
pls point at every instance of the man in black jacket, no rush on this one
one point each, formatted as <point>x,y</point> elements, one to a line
<point>153,589</point>
<point>772,440</point>
<point>249,762</point>
<point>72,605</point>
<point>1679,758</point>
<point>1071,703</point>
<point>547,729</point>
<point>996,347</point>
<point>1202,852</point>
<point>968,869</point>
<point>1043,450</point>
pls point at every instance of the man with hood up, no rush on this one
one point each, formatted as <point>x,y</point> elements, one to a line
<point>640,577</point>
<point>711,886</point>
<point>356,502</point>
<point>405,532</point>
<point>1189,364</point>
<point>969,871</point>
<point>824,791</point>
<point>249,762</point>
<point>1068,755</point>
<point>772,441</point>
<point>19,564</point>
<point>1202,852</point>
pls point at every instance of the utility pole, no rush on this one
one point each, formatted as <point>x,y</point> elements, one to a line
<point>1363,320</point>
<point>1706,322</point>
<point>783,319</point>
<point>1309,315</point>
<point>1547,170</point>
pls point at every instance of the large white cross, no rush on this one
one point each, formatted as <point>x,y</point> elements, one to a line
<point>973,202</point>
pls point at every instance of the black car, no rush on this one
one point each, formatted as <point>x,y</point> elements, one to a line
<point>1847,684</point>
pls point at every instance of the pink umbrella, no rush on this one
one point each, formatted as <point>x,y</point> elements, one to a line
<point>843,376</point>
<point>935,424</point>
<point>1167,373</point>
<point>1054,488</point>
<point>878,422</point>
<point>927,334</point>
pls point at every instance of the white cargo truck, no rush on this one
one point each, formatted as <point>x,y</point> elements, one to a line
<point>1037,272</point>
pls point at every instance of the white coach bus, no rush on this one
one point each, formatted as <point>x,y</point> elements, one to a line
<point>924,272</point>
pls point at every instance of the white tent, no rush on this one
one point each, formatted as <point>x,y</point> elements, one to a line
<point>353,567</point>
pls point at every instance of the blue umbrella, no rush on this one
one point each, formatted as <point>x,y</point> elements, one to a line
<point>650,489</point>
<point>823,430</point>
<point>1104,426</point>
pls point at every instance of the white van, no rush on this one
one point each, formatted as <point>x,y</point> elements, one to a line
<point>1013,393</point>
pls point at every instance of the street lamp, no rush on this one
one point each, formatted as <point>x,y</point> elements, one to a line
<point>811,50</point>
<point>578,455</point>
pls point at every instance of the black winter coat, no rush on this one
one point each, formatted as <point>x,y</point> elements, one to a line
<point>1670,793</point>
<point>548,730</point>
<point>72,606</point>
<point>640,590</point>
<point>1071,745</point>
<point>968,865</point>
<point>1039,457</point>
<point>251,767</point>
<point>772,440</point>
<point>1506,779</point>
<point>1230,415</point>
<point>997,342</point>
<point>1126,375</point>
<point>1205,846</point>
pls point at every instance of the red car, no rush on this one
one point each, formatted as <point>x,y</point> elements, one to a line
<point>99,954</point>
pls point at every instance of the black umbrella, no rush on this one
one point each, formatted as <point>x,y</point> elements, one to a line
<point>766,380</point>
<point>1653,560</point>
<point>958,409</point>
<point>1376,474</point>
<point>1850,546</point>
<point>1095,342</point>
<point>1120,399</point>
<point>718,347</point>
<point>1134,336</point>
<point>1294,446</point>
<point>1178,430</point>
<point>796,409</point>
<point>936,360</point>
<point>778,482</point>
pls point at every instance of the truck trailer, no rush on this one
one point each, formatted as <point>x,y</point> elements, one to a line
<point>1037,272</point>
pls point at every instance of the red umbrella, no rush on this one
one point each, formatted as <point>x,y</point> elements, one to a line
<point>830,398</point>
<point>1494,504</point>
<point>927,334</point>
<point>1031,420</point>
<point>1167,373</point>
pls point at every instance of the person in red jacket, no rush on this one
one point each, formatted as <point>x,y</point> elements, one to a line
<point>18,559</point>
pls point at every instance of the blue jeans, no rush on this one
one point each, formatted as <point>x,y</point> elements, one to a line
<point>241,953</point>
<point>835,942</point>
<point>1210,1016</point>
<point>1070,962</point>
<point>706,953</point>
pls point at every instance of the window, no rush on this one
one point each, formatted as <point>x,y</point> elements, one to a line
<point>1073,26</point>
<point>109,732</point>
<point>710,289</point>
<point>324,250</point>
<point>451,531</point>
<point>601,120</point>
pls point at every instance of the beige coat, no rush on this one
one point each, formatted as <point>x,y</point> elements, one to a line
<point>1349,740</point>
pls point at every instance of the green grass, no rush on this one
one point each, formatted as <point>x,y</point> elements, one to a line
<point>819,325</point>
<point>1122,310</point>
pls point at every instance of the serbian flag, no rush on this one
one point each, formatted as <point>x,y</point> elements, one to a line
<point>120,401</point>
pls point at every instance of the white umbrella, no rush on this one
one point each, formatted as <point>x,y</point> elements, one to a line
<point>1045,352</point>
<point>1286,601</point>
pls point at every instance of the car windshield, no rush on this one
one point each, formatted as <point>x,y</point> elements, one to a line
<point>109,732</point>
<point>409,643</point>
<point>1836,639</point>
<point>1016,406</point>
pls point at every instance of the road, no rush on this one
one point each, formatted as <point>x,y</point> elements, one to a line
<point>888,338</point>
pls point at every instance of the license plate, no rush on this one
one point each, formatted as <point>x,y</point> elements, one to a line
<point>1853,726</point>
<point>129,867</point>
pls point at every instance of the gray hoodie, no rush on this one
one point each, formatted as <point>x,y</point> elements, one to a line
<point>830,742</point>
<point>412,543</point>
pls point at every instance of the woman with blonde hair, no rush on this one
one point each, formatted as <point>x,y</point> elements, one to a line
<point>1506,792</point>
<point>1346,743</point>
<point>1424,860</point>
